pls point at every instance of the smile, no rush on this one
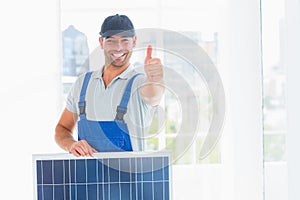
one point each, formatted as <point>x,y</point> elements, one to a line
<point>118,55</point>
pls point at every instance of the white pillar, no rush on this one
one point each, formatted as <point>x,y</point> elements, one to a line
<point>293,98</point>
<point>242,146</point>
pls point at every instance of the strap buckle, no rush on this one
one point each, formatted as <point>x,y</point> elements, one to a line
<point>121,111</point>
<point>81,106</point>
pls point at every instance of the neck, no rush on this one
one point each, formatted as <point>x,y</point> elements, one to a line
<point>110,72</point>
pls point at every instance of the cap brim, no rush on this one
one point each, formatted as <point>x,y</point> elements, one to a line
<point>128,33</point>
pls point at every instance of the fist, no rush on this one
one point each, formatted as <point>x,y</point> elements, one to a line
<point>153,67</point>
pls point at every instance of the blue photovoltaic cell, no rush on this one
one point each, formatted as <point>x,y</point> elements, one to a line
<point>126,178</point>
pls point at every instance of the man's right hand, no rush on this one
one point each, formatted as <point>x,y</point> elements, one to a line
<point>64,137</point>
<point>82,148</point>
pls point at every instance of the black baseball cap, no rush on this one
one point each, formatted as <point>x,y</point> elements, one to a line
<point>117,25</point>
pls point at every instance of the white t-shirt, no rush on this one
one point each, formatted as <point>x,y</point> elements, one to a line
<point>101,103</point>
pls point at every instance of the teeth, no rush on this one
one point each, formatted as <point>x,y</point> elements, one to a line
<point>118,55</point>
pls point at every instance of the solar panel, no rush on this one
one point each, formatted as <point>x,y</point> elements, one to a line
<point>106,176</point>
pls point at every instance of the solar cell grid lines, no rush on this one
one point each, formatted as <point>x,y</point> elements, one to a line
<point>107,176</point>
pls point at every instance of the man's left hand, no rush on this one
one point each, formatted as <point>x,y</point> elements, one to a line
<point>153,67</point>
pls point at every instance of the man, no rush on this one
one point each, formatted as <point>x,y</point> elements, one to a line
<point>94,100</point>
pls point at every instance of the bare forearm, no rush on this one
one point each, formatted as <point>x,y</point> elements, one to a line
<point>64,137</point>
<point>152,93</point>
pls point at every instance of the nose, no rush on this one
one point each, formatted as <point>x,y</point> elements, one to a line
<point>118,46</point>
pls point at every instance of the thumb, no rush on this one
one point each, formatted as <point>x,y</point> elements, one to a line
<point>149,54</point>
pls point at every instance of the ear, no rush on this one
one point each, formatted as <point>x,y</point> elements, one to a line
<point>134,41</point>
<point>101,42</point>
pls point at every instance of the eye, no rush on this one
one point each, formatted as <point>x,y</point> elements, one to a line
<point>125,41</point>
<point>110,41</point>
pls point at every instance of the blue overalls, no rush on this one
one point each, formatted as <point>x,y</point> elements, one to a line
<point>105,136</point>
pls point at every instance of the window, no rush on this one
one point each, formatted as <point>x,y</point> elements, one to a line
<point>230,34</point>
<point>165,127</point>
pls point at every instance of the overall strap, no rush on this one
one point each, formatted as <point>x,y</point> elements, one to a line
<point>81,103</point>
<point>122,108</point>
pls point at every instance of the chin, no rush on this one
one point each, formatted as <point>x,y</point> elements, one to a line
<point>118,64</point>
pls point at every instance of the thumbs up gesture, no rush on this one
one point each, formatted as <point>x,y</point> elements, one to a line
<point>153,67</point>
<point>151,91</point>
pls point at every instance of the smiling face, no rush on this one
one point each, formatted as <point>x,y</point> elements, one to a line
<point>117,49</point>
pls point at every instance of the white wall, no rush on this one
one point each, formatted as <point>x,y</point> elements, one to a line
<point>28,88</point>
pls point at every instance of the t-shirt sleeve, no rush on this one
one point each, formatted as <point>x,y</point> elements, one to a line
<point>73,96</point>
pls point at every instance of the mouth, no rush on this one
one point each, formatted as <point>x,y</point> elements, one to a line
<point>118,55</point>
